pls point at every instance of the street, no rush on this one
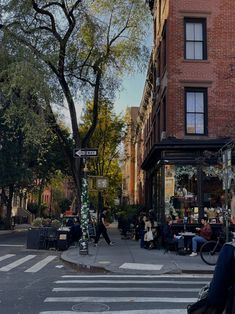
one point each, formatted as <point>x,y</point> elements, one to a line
<point>122,294</point>
<point>37,282</point>
<point>25,275</point>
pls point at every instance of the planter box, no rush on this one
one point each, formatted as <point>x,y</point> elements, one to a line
<point>33,238</point>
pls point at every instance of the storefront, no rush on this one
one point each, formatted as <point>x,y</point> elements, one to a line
<point>186,184</point>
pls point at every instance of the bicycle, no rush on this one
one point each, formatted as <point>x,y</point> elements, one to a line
<point>210,250</point>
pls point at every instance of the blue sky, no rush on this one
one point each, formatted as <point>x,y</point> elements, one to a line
<point>131,93</point>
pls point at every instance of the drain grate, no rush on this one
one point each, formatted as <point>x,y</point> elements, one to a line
<point>90,307</point>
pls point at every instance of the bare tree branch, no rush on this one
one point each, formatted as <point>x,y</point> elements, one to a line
<point>50,15</point>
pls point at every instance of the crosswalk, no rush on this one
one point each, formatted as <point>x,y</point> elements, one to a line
<point>10,262</point>
<point>123,294</point>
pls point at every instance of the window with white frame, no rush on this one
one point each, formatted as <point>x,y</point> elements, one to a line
<point>195,111</point>
<point>195,39</point>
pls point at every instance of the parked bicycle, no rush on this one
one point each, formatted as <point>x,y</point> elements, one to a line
<point>210,250</point>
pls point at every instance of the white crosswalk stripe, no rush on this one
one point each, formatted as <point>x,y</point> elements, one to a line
<point>144,294</point>
<point>20,261</point>
<point>119,299</point>
<point>164,311</point>
<point>156,311</point>
<point>2,258</point>
<point>35,268</point>
<point>17,263</point>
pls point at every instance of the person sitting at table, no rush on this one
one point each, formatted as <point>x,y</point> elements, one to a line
<point>205,233</point>
<point>169,237</point>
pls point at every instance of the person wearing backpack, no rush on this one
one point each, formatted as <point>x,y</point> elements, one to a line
<point>219,296</point>
<point>223,281</point>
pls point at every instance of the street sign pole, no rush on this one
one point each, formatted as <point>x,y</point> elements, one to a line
<point>84,153</point>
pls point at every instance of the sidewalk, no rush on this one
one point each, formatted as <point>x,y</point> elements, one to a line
<point>20,227</point>
<point>126,256</point>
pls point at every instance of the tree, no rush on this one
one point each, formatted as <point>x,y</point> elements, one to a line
<point>84,47</point>
<point>30,152</point>
<point>107,138</point>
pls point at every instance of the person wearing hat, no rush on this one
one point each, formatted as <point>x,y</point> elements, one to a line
<point>205,233</point>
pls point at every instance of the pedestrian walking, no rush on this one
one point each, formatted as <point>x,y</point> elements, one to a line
<point>101,229</point>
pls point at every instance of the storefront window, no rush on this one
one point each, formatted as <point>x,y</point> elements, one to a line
<point>182,195</point>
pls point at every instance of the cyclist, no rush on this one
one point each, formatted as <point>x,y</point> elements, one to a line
<point>224,274</point>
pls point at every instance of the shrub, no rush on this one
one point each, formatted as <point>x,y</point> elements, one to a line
<point>56,223</point>
<point>37,222</point>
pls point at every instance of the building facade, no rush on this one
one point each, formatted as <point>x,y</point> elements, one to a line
<point>129,163</point>
<point>189,108</point>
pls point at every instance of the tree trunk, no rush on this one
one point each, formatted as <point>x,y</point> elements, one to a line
<point>40,191</point>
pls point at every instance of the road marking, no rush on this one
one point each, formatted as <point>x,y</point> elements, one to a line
<point>138,266</point>
<point>17,263</point>
<point>175,289</point>
<point>141,276</point>
<point>35,268</point>
<point>133,281</point>
<point>2,258</point>
<point>120,299</point>
<point>159,311</point>
<point>18,245</point>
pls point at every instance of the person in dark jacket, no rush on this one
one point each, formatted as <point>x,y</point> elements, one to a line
<point>224,274</point>
<point>101,229</point>
<point>169,237</point>
<point>75,232</point>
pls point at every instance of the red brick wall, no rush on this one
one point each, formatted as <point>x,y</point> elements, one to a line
<point>217,72</point>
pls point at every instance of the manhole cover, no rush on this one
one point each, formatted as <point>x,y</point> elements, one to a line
<point>90,307</point>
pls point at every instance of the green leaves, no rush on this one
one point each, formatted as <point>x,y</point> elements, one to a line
<point>107,138</point>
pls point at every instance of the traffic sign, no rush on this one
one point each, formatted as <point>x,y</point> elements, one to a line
<point>85,152</point>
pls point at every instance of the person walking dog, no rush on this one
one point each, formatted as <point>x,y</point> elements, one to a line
<point>101,229</point>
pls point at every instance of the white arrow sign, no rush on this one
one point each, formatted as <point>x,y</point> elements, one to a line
<point>85,152</point>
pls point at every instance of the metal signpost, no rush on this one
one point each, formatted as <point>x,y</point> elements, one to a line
<point>84,153</point>
<point>98,184</point>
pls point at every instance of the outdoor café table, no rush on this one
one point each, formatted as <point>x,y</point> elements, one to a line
<point>187,239</point>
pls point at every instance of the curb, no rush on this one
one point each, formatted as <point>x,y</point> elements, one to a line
<point>83,267</point>
<point>99,269</point>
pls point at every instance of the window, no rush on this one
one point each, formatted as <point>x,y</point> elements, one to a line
<point>195,39</point>
<point>195,109</point>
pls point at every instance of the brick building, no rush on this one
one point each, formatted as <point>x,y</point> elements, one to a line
<point>189,107</point>
<point>129,165</point>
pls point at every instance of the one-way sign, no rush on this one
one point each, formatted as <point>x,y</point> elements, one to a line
<point>85,152</point>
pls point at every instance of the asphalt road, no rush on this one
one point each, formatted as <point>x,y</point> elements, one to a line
<point>26,275</point>
<point>37,282</point>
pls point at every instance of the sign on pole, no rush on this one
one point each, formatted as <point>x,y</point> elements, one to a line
<point>97,183</point>
<point>85,152</point>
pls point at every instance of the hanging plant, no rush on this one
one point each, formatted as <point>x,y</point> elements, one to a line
<point>213,171</point>
<point>188,170</point>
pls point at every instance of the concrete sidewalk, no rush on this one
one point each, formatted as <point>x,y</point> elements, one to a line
<point>17,228</point>
<point>126,256</point>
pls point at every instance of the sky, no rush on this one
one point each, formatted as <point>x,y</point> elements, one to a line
<point>131,93</point>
